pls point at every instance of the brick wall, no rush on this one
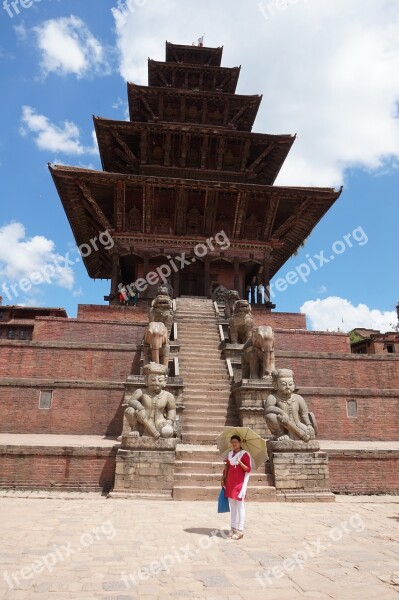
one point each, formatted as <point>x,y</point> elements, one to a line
<point>311,341</point>
<point>78,330</point>
<point>341,370</point>
<point>57,468</point>
<point>115,313</point>
<point>75,409</point>
<point>278,320</point>
<point>377,414</point>
<point>363,472</point>
<point>60,361</point>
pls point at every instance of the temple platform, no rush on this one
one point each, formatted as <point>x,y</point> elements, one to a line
<point>87,463</point>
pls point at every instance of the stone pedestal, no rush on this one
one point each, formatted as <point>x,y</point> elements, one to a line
<point>145,468</point>
<point>249,396</point>
<point>300,471</point>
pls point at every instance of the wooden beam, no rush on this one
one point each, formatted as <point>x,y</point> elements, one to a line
<point>204,152</point>
<point>184,149</point>
<point>93,207</point>
<point>147,107</point>
<point>119,205</point>
<point>270,216</point>
<point>251,169</point>
<point>240,213</point>
<point>180,211</point>
<point>148,205</point>
<point>168,148</point>
<point>237,116</point>
<point>131,158</point>
<point>292,220</point>
<point>211,205</point>
<point>220,153</point>
<point>245,155</point>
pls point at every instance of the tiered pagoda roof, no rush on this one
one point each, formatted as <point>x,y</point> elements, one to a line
<point>189,147</point>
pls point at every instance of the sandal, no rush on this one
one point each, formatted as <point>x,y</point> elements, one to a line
<point>238,535</point>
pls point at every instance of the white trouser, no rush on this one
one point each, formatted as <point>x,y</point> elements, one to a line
<point>237,510</point>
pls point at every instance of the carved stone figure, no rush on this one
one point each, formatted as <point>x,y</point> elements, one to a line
<point>156,344</point>
<point>241,322</point>
<point>219,294</point>
<point>232,297</point>
<point>258,359</point>
<point>165,290</point>
<point>151,412</point>
<point>286,413</point>
<point>161,311</point>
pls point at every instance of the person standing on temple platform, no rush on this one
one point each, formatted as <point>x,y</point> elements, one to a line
<point>123,295</point>
<point>235,481</point>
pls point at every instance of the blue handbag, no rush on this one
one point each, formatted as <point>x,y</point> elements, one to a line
<point>223,503</point>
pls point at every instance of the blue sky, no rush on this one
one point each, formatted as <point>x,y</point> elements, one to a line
<point>328,73</point>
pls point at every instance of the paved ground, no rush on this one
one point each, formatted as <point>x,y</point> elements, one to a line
<point>85,547</point>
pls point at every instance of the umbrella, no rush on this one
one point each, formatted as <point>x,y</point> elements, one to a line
<point>250,441</point>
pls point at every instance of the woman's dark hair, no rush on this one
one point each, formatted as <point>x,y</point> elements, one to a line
<point>235,437</point>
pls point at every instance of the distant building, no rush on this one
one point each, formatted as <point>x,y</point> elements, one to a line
<point>17,322</point>
<point>372,341</point>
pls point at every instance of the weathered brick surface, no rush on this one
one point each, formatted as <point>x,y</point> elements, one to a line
<point>311,341</point>
<point>75,409</point>
<point>79,330</point>
<point>114,313</point>
<point>278,319</point>
<point>316,369</point>
<point>364,472</point>
<point>62,361</point>
<point>62,468</point>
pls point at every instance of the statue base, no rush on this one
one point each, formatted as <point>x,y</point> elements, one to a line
<point>300,471</point>
<point>250,396</point>
<point>145,468</point>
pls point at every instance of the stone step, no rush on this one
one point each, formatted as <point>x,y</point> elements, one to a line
<point>254,493</point>
<point>206,423</point>
<point>197,453</point>
<point>189,428</point>
<point>199,437</point>
<point>211,466</point>
<point>195,479</point>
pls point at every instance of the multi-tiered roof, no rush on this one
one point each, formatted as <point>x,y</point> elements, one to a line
<point>186,165</point>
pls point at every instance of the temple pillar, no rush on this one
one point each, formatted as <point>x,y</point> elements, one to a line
<point>113,297</point>
<point>176,284</point>
<point>237,275</point>
<point>266,279</point>
<point>207,276</point>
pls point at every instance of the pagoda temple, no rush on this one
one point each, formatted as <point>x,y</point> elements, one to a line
<point>183,168</point>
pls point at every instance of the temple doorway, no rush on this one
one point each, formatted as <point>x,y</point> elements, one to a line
<point>192,280</point>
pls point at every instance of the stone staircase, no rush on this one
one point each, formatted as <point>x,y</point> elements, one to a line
<point>209,407</point>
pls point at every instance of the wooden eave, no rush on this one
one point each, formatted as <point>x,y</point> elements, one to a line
<point>161,74</point>
<point>262,155</point>
<point>201,55</point>
<point>137,94</point>
<point>290,213</point>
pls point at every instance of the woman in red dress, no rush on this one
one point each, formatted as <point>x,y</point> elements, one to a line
<point>235,480</point>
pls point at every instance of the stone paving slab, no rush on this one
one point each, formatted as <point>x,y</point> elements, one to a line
<point>91,548</point>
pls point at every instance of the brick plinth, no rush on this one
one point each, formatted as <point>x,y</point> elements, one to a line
<point>146,472</point>
<point>300,472</point>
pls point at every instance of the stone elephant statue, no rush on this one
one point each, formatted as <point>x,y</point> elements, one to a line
<point>156,344</point>
<point>258,358</point>
<point>241,322</point>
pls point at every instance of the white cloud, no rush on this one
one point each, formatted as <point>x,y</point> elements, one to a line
<point>335,313</point>
<point>68,47</point>
<point>63,138</point>
<point>20,32</point>
<point>23,257</point>
<point>327,70</point>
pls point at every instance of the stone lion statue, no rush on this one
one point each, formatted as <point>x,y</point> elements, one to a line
<point>161,311</point>
<point>232,297</point>
<point>258,358</point>
<point>241,322</point>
